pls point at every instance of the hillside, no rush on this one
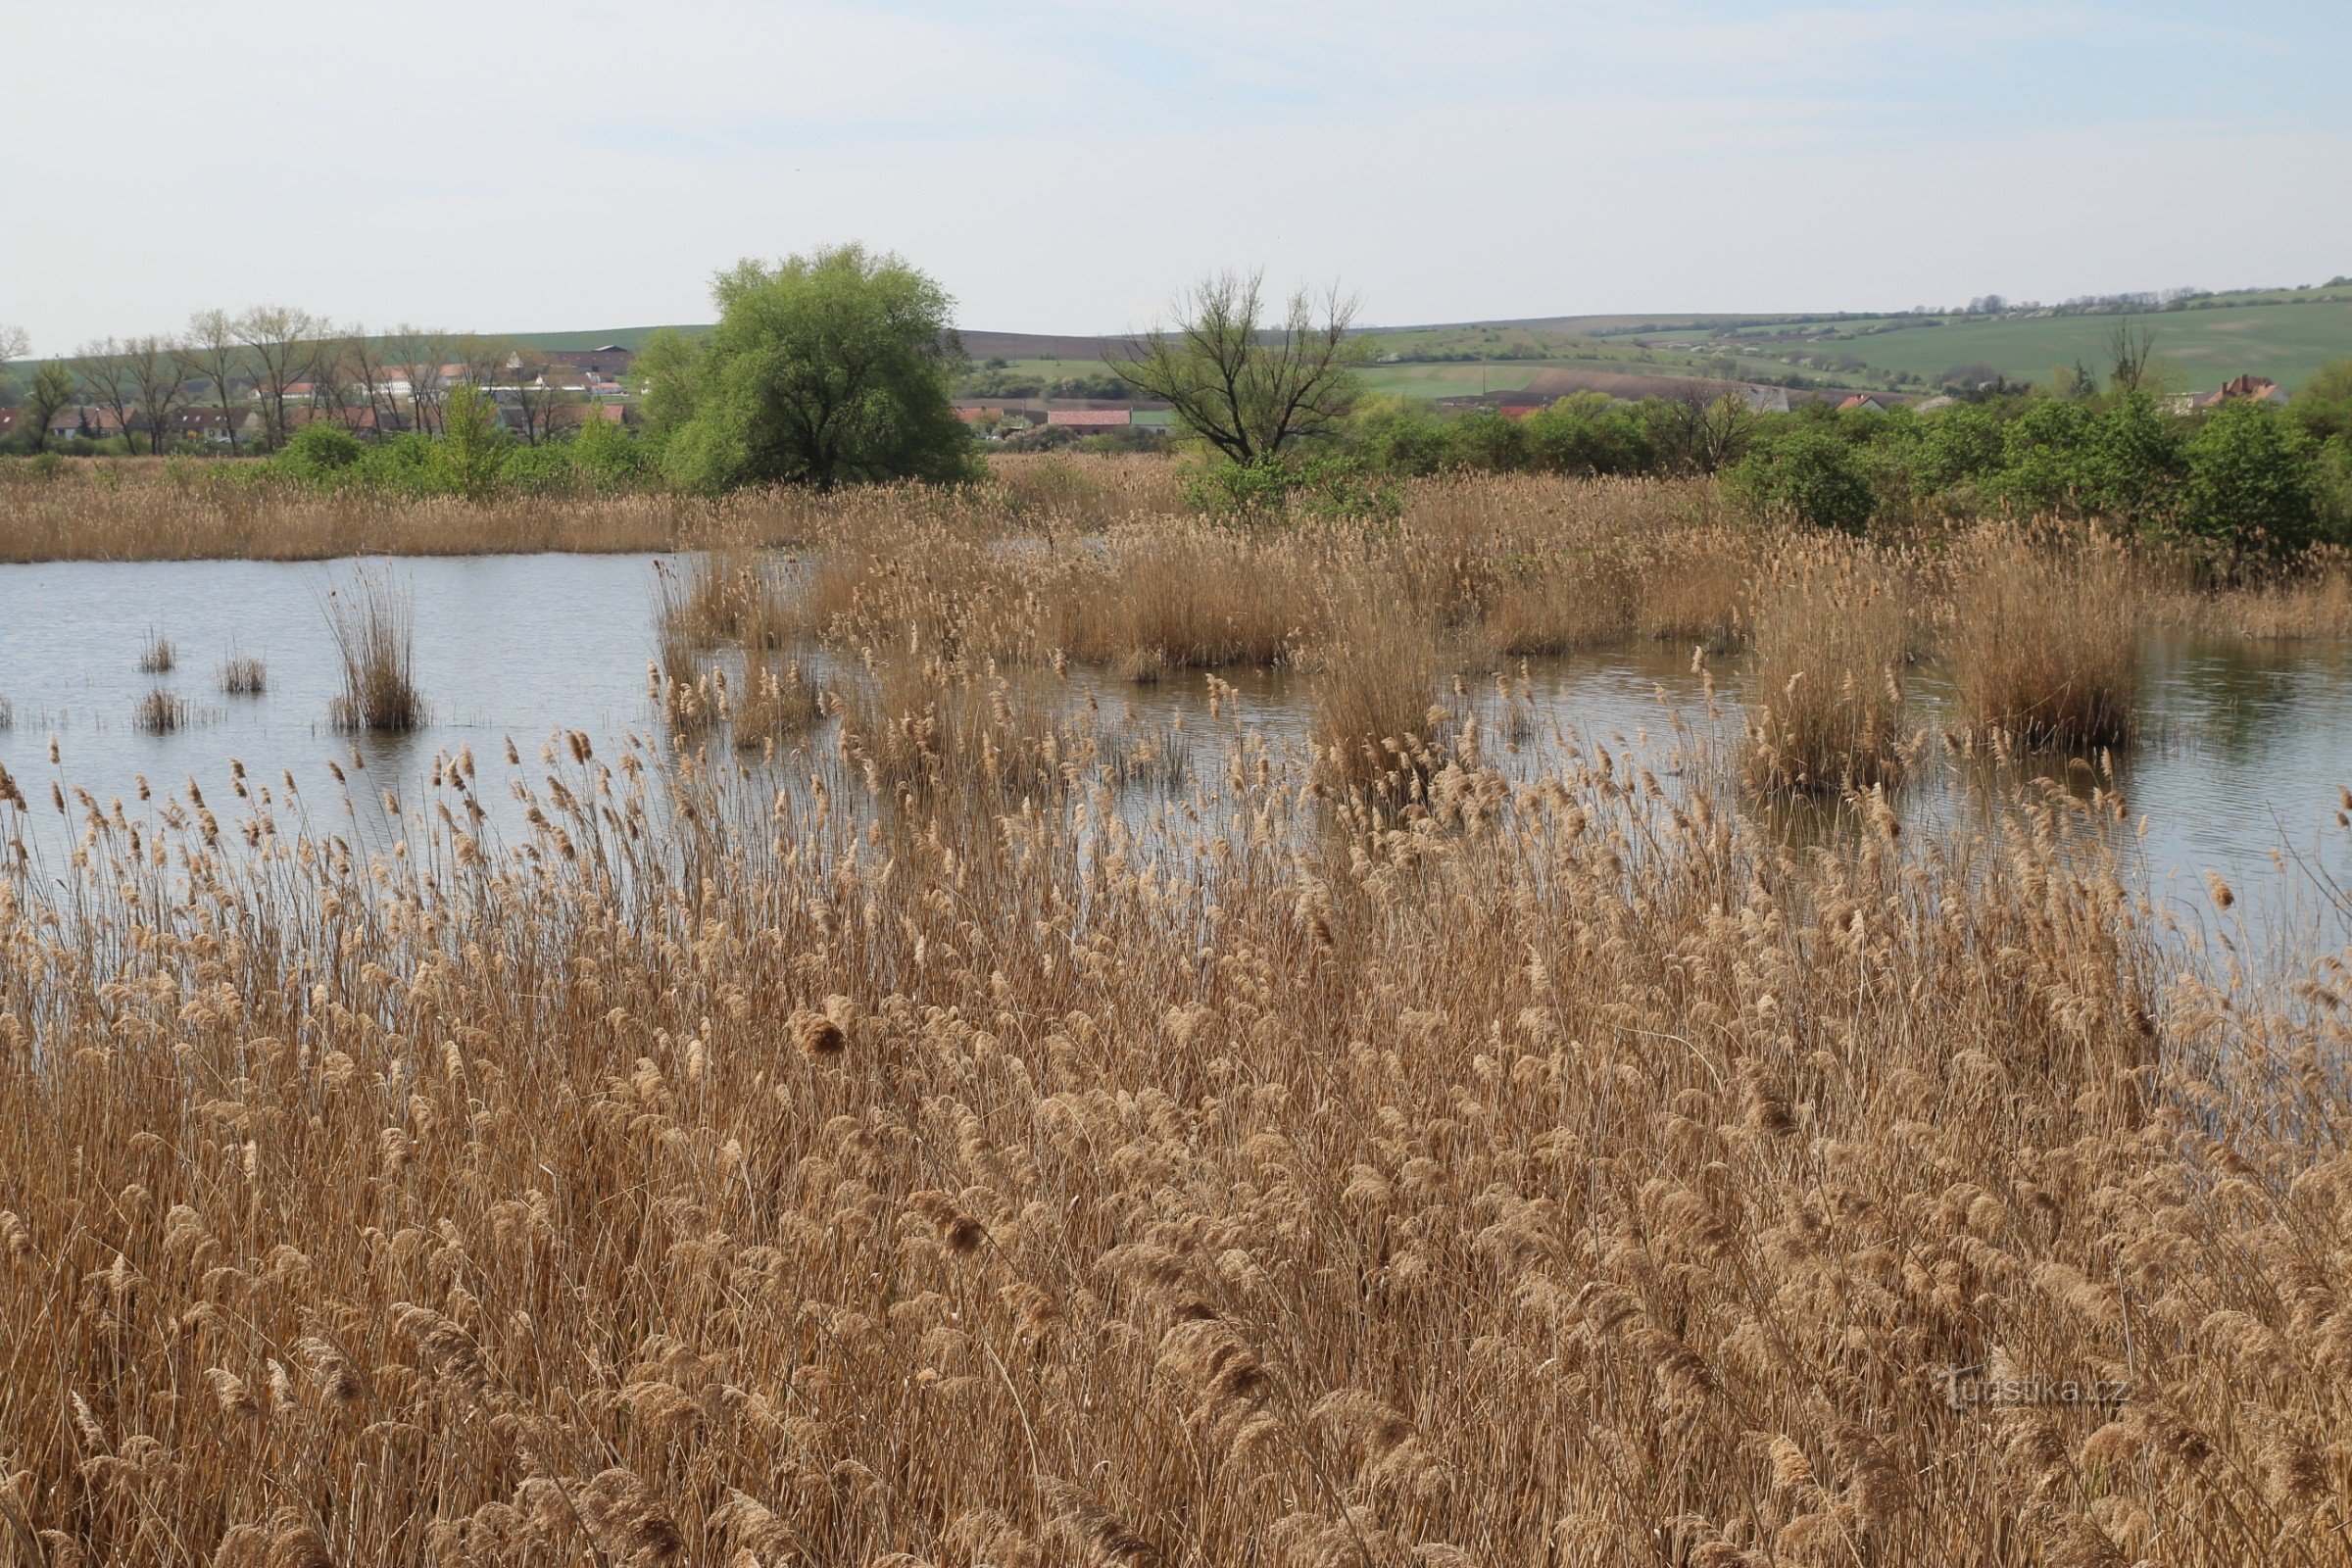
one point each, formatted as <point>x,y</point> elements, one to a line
<point>2285,334</point>
<point>2281,333</point>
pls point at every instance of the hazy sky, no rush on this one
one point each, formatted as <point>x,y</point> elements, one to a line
<point>500,166</point>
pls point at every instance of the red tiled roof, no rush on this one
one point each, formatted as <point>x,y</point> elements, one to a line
<point>1089,418</point>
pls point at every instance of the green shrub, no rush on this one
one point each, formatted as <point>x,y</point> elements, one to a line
<point>321,453</point>
<point>608,459</point>
<point>1321,486</point>
<point>1589,433</point>
<point>2130,461</point>
<point>1804,474</point>
<point>2251,482</point>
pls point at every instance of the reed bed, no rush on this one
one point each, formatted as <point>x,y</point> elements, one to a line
<point>373,617</point>
<point>1831,637</point>
<point>155,655</point>
<point>2044,639</point>
<point>987,1172</point>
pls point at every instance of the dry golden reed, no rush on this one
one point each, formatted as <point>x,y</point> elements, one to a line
<point>2044,638</point>
<point>373,617</point>
<point>977,1172</point>
<point>1830,632</point>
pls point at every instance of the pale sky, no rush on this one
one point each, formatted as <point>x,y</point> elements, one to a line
<point>1063,164</point>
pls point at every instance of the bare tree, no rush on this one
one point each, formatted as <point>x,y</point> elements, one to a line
<point>161,377</point>
<point>210,353</point>
<point>281,345</point>
<point>539,397</point>
<point>1703,424</point>
<point>1247,386</point>
<point>2129,347</point>
<point>107,375</point>
<point>15,344</point>
<point>372,366</point>
<point>419,353</point>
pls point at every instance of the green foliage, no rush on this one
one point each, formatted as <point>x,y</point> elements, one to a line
<point>1589,433</point>
<point>606,459</point>
<point>1804,474</point>
<point>831,368</point>
<point>319,451</point>
<point>2250,483</point>
<point>474,449</point>
<point>2324,406</point>
<point>1320,486</point>
<point>2130,462</point>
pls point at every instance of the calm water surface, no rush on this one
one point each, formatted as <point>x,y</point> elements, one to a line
<point>2247,745</point>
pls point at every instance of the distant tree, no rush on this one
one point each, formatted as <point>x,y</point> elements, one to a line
<point>106,374</point>
<point>2322,405</point>
<point>160,376</point>
<point>281,345</point>
<point>474,443</point>
<point>539,398</point>
<point>1247,385</point>
<point>366,368</point>
<point>51,391</point>
<point>210,353</point>
<point>1804,475</point>
<point>827,368</point>
<point>2128,349</point>
<point>15,344</point>
<point>417,356</point>
<point>1701,427</point>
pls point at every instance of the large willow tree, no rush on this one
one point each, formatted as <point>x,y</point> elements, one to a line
<point>828,369</point>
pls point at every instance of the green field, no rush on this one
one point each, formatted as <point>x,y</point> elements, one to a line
<point>2283,335</point>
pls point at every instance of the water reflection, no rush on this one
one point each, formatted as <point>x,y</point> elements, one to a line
<point>2244,752</point>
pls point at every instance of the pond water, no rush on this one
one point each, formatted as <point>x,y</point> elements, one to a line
<point>2246,746</point>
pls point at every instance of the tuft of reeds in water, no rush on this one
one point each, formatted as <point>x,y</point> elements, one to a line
<point>1829,627</point>
<point>243,675</point>
<point>372,619</point>
<point>2044,637</point>
<point>155,655</point>
<point>8,713</point>
<point>1376,691</point>
<point>162,712</point>
<point>774,704</point>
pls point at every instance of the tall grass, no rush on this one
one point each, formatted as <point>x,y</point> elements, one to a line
<point>373,617</point>
<point>155,655</point>
<point>2045,637</point>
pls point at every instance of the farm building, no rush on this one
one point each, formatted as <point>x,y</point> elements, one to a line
<point>1091,418</point>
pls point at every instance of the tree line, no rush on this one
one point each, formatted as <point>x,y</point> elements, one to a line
<point>277,366</point>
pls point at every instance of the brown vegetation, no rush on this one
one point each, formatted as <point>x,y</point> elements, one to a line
<point>156,656</point>
<point>243,675</point>
<point>162,712</point>
<point>2044,638</point>
<point>943,1161</point>
<point>374,621</point>
<point>1830,637</point>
